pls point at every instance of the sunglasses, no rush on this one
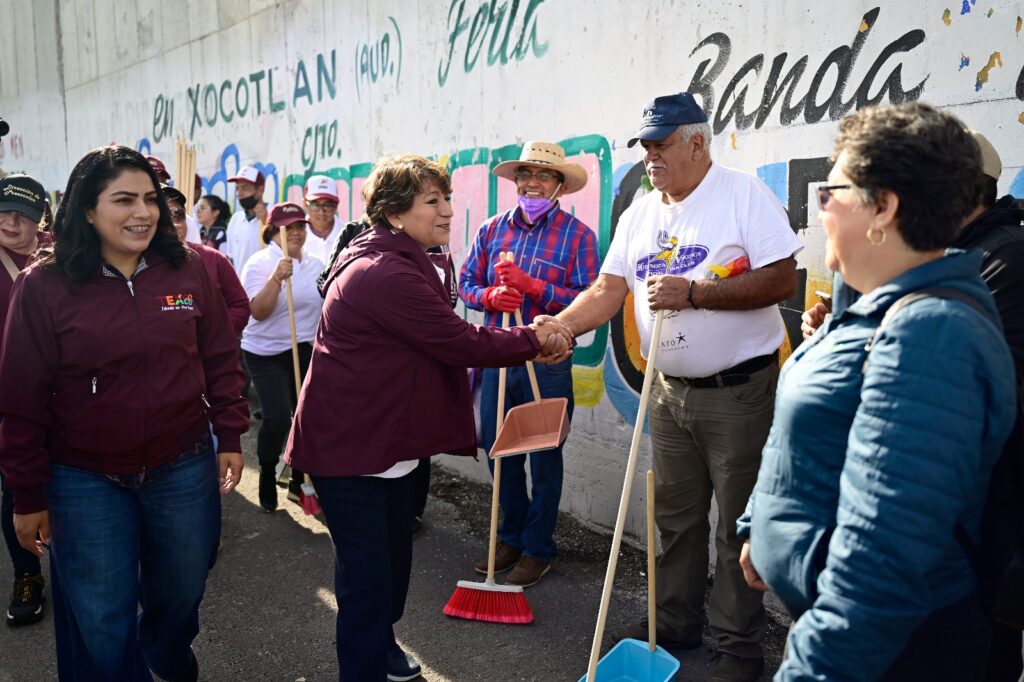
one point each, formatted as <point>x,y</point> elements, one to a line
<point>323,207</point>
<point>825,194</point>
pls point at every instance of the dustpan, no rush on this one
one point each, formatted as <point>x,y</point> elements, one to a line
<point>532,427</point>
<point>632,660</point>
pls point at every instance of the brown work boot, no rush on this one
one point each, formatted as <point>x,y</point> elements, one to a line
<point>729,668</point>
<point>505,558</point>
<point>528,571</point>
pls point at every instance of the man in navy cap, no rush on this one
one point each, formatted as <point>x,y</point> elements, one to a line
<point>712,247</point>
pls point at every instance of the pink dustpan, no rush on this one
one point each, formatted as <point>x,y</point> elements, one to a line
<point>540,425</point>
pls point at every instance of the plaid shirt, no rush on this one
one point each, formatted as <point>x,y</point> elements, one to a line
<point>559,249</point>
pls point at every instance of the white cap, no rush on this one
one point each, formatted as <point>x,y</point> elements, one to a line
<point>248,174</point>
<point>990,162</point>
<point>321,187</point>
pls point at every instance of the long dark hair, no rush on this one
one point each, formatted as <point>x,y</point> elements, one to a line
<point>76,250</point>
<point>222,208</point>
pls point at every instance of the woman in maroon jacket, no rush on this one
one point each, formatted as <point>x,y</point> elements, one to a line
<point>118,354</point>
<point>387,386</point>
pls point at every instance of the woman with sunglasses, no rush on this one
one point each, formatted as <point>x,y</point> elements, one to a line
<point>267,340</point>
<point>117,357</point>
<point>888,420</point>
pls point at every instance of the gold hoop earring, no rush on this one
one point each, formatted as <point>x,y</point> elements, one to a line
<point>871,231</point>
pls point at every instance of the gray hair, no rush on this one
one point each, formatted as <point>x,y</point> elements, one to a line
<point>690,129</point>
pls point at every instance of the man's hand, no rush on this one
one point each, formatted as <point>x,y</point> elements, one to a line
<point>511,275</point>
<point>754,581</point>
<point>555,347</point>
<point>812,319</point>
<point>259,211</point>
<point>33,531</point>
<point>668,292</point>
<point>502,299</point>
<point>231,466</point>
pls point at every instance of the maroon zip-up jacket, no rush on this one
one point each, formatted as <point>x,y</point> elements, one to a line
<point>224,277</point>
<point>114,377</point>
<point>387,381</point>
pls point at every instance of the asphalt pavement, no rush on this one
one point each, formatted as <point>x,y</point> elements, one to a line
<point>269,610</point>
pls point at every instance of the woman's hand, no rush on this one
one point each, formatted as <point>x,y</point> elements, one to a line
<point>29,526</point>
<point>812,319</point>
<point>283,270</point>
<point>754,581</point>
<point>231,466</point>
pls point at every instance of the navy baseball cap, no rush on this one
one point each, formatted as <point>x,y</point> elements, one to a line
<point>22,194</point>
<point>666,113</point>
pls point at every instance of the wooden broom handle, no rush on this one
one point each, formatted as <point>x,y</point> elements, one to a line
<point>652,619</point>
<point>627,486</point>
<point>295,337</point>
<point>492,543</point>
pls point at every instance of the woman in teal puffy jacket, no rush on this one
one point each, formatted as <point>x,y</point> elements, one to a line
<point>884,437</point>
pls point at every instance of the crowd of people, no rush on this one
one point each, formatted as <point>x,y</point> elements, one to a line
<point>874,481</point>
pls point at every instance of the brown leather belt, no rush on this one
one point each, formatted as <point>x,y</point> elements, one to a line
<point>733,376</point>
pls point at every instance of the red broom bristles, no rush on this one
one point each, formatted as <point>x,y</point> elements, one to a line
<point>479,601</point>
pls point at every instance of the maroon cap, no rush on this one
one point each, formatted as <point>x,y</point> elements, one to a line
<point>159,167</point>
<point>248,174</point>
<point>286,213</point>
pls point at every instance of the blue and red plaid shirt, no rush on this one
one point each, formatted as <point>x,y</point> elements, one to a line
<point>559,250</point>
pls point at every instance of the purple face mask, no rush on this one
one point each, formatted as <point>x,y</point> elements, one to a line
<point>535,207</point>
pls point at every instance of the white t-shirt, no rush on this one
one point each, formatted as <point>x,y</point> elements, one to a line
<point>243,239</point>
<point>193,233</point>
<point>322,247</point>
<point>273,335</point>
<point>730,224</point>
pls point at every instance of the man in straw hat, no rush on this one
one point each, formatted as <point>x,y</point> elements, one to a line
<point>713,248</point>
<point>554,258</point>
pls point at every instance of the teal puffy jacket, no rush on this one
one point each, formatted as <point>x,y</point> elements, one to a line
<point>869,467</point>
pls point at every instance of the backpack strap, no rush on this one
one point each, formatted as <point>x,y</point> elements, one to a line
<point>963,538</point>
<point>8,262</point>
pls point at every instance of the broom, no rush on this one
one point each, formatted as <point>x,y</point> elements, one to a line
<point>488,601</point>
<point>310,505</point>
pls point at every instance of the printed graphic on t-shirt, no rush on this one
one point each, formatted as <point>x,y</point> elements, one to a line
<point>670,259</point>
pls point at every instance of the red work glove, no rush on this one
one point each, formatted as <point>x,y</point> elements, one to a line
<point>511,275</point>
<point>502,299</point>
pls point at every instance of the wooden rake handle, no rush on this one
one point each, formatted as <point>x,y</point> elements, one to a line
<point>492,542</point>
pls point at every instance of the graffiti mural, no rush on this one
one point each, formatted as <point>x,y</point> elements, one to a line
<point>302,87</point>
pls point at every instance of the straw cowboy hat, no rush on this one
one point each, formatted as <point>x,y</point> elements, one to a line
<point>546,155</point>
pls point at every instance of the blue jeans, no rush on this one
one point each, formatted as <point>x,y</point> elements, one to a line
<point>370,520</point>
<point>528,524</point>
<point>24,561</point>
<point>123,542</point>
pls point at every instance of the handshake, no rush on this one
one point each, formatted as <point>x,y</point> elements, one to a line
<point>555,339</point>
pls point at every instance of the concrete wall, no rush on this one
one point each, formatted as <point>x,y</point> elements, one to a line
<point>299,86</point>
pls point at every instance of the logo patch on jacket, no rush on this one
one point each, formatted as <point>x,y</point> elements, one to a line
<point>176,302</point>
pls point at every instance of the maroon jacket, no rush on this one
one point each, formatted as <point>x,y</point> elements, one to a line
<point>387,381</point>
<point>224,277</point>
<point>111,378</point>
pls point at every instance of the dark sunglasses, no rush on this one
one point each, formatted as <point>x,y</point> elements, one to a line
<point>825,193</point>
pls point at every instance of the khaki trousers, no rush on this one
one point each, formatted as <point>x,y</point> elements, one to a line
<point>704,441</point>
